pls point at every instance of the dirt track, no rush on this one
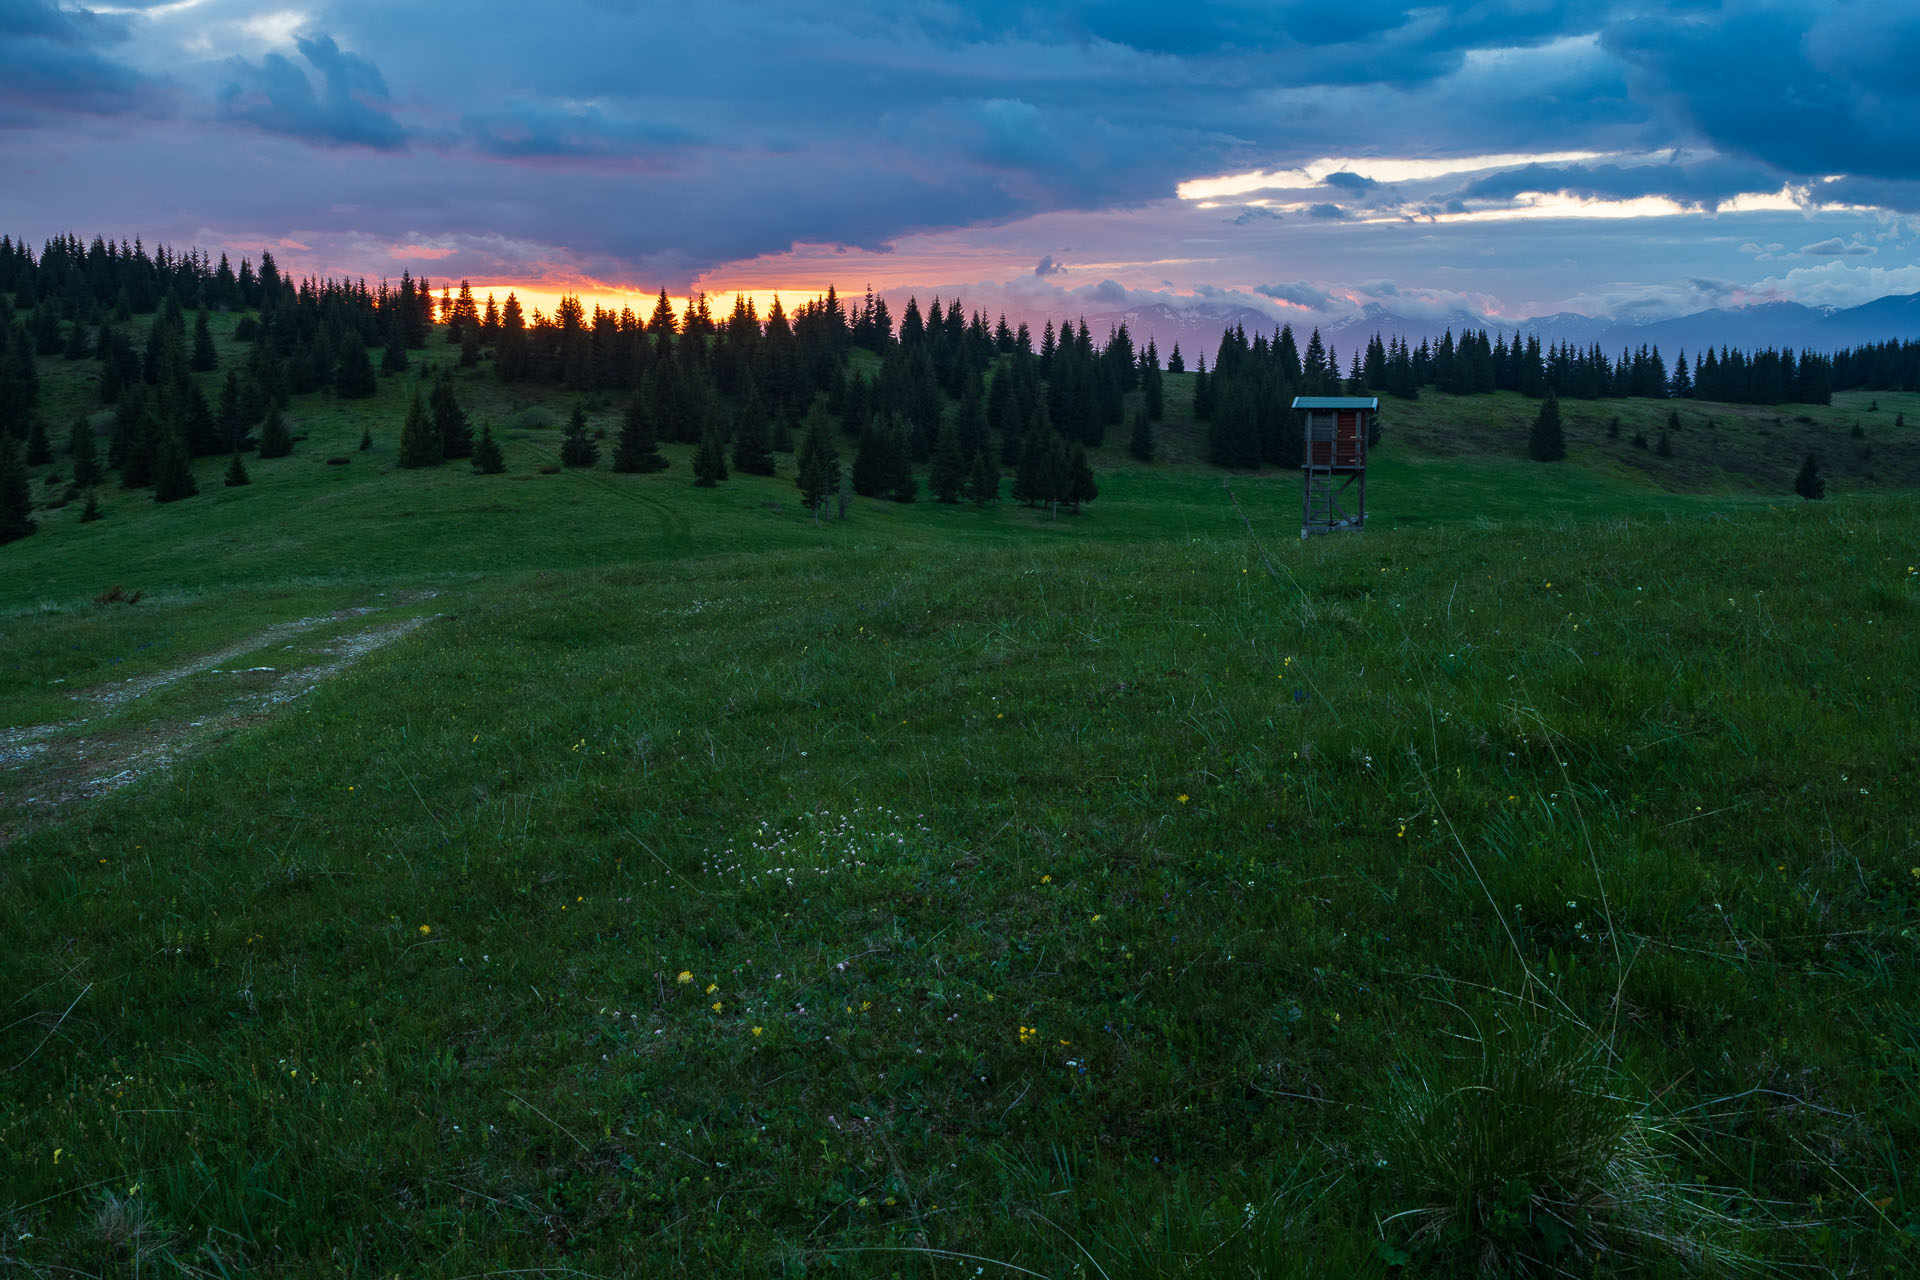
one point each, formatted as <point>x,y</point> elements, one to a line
<point>49,765</point>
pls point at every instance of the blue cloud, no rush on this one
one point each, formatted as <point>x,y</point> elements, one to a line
<point>534,130</point>
<point>1809,88</point>
<point>50,62</point>
<point>1299,294</point>
<point>1048,267</point>
<point>671,139</point>
<point>350,107</point>
<point>1707,183</point>
<point>1835,247</point>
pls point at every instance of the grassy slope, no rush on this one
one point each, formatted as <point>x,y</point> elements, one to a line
<point>1240,833</point>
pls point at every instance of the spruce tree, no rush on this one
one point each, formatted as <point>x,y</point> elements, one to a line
<point>1030,475</point>
<point>819,474</point>
<point>86,463</point>
<point>901,486</point>
<point>709,459</point>
<point>276,440</point>
<point>577,448</point>
<point>353,377</point>
<point>77,346</point>
<point>204,360</point>
<point>113,367</point>
<point>949,473</point>
<point>197,422</point>
<point>142,445</point>
<point>1176,363</point>
<point>1055,477</point>
<point>366,439</point>
<point>1077,483</point>
<point>1546,443</point>
<point>16,497</point>
<point>983,481</point>
<point>1142,444</point>
<point>1663,446</point>
<point>46,328</point>
<point>19,382</point>
<point>638,449</point>
<point>752,449</point>
<point>173,470</point>
<point>39,452</point>
<point>450,421</point>
<point>1810,484</point>
<point>237,472</point>
<point>419,441</point>
<point>871,466</point>
<point>90,512</point>
<point>227,418</point>
<point>487,459</point>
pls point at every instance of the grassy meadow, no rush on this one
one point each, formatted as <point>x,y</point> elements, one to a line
<point>584,874</point>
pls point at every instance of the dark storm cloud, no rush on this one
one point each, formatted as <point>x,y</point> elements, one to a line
<point>533,130</point>
<point>51,62</point>
<point>1350,182</point>
<point>349,108</point>
<point>1900,196</point>
<point>659,141</point>
<point>1810,88</point>
<point>1706,183</point>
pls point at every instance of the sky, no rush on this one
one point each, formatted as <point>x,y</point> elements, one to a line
<point>1507,158</point>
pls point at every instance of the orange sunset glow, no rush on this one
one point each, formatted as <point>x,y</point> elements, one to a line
<point>544,296</point>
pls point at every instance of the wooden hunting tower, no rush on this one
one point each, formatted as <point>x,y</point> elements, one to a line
<point>1334,464</point>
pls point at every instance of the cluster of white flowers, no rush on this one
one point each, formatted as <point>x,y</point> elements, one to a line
<point>818,843</point>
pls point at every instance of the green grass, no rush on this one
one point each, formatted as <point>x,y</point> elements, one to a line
<point>1080,896</point>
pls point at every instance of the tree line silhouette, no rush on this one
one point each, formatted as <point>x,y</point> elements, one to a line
<point>947,390</point>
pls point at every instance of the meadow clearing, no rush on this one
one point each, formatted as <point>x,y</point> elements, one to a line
<point>589,874</point>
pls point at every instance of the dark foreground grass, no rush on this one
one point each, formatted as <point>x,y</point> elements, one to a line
<point>879,901</point>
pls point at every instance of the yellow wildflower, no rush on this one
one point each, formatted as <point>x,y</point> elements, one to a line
<point>686,976</point>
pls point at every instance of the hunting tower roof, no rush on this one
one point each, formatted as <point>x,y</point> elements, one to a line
<point>1336,402</point>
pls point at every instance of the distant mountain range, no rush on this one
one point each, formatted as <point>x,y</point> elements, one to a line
<point>1770,324</point>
